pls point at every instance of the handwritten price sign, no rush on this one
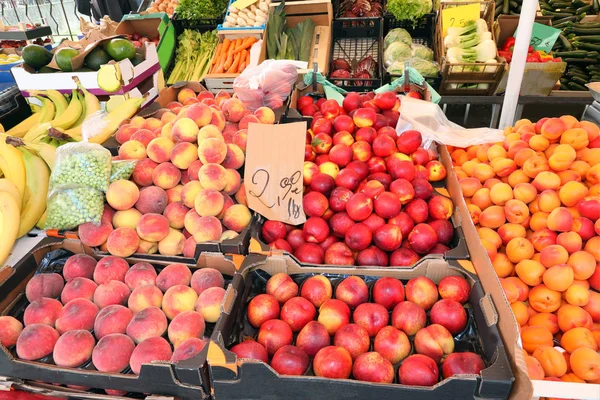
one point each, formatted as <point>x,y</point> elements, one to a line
<point>273,172</point>
<point>459,16</point>
<point>543,37</point>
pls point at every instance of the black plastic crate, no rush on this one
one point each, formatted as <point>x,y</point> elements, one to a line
<point>351,26</point>
<point>13,107</point>
<point>234,378</point>
<point>354,50</point>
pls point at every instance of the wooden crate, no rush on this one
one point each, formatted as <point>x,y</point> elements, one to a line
<point>484,78</point>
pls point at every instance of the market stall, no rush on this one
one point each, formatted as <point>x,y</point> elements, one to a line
<point>252,200</point>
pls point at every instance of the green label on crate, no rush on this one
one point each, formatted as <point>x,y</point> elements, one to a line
<point>333,94</point>
<point>543,37</point>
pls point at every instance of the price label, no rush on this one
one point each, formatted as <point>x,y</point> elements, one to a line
<point>332,94</point>
<point>273,173</point>
<point>241,4</point>
<point>459,16</point>
<point>543,37</point>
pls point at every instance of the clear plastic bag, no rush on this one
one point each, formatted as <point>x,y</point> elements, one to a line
<point>83,164</point>
<point>70,206</point>
<point>269,84</point>
<point>429,119</point>
<point>121,169</point>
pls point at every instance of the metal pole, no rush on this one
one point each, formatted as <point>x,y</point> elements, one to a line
<point>517,66</point>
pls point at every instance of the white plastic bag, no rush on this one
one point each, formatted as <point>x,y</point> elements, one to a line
<point>268,84</point>
<point>429,119</point>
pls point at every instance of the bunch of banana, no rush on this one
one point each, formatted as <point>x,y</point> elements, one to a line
<point>23,192</point>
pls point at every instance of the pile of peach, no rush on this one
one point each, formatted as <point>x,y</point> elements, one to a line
<point>371,334</point>
<point>115,315</point>
<point>367,190</point>
<point>185,188</point>
<point>535,199</point>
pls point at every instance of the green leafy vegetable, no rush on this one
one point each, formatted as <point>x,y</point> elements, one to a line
<point>194,53</point>
<point>409,9</point>
<point>200,9</point>
<point>288,43</point>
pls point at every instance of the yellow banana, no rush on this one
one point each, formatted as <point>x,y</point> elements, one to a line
<point>92,104</point>
<point>12,164</point>
<point>71,114</point>
<point>59,101</point>
<point>9,187</point>
<point>42,125</point>
<point>114,118</point>
<point>21,128</point>
<point>38,178</point>
<point>46,151</point>
<point>35,108</point>
<point>42,221</point>
<point>9,225</point>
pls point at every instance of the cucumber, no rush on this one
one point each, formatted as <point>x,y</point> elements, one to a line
<point>571,54</point>
<point>576,86</point>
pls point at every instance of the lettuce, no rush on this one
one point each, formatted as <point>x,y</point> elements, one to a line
<point>409,9</point>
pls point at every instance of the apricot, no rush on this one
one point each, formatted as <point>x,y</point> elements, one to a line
<point>469,186</point>
<point>585,364</point>
<point>551,360</point>
<point>502,265</point>
<point>577,295</point>
<point>553,128</point>
<point>481,198</point>
<point>576,338</point>
<point>530,272</point>
<point>570,316</point>
<point>545,319</point>
<point>593,247</point>
<point>534,165</point>
<point>492,217</point>
<point>525,192</point>
<point>491,250</point>
<point>510,290</point>
<point>517,177</point>
<point>501,193</point>
<point>533,337</point>
<point>577,138</point>
<point>538,143</point>
<point>534,368</point>
<point>519,249</point>
<point>549,201</point>
<point>583,264</point>
<point>491,236</point>
<point>538,221</point>
<point>544,299</point>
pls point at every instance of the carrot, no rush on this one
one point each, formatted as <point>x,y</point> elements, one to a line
<point>244,61</point>
<point>217,53</point>
<point>226,44</point>
<point>246,44</point>
<point>235,64</point>
<point>229,60</point>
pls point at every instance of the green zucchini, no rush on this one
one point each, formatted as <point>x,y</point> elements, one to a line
<point>571,54</point>
<point>576,86</point>
<point>583,9</point>
<point>580,60</point>
<point>587,46</point>
<point>579,80</point>
<point>588,39</point>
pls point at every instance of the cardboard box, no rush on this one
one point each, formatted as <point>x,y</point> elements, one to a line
<point>234,378</point>
<point>539,78</point>
<point>507,324</point>
<point>152,26</point>
<point>185,379</point>
<point>321,12</point>
<point>132,77</point>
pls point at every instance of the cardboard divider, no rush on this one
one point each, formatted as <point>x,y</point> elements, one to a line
<point>233,378</point>
<point>187,379</point>
<point>508,327</point>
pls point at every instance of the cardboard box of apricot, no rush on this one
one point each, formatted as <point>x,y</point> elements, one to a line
<point>65,333</point>
<point>388,350</point>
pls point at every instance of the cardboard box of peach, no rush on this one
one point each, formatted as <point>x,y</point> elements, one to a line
<point>186,193</point>
<point>311,332</point>
<point>535,201</point>
<point>109,324</point>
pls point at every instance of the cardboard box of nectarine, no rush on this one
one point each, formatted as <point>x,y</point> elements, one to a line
<point>186,379</point>
<point>236,378</point>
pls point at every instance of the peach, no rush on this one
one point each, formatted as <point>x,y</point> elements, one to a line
<point>147,323</point>
<point>140,274</point>
<point>212,150</point>
<point>112,353</point>
<point>419,370</point>
<point>159,149</point>
<point>79,265</point>
<point>152,200</point>
<point>142,172</point>
<point>183,154</point>
<point>237,217</point>
<point>145,296</point>
<point>11,328</point>
<point>175,214</point>
<point>212,176</point>
<point>209,202</point>
<point>35,341</point>
<point>132,150</point>
<point>240,139</point>
<point>112,319</point>
<point>172,244</point>
<point>78,288</point>
<point>187,349</point>
<point>73,348</point>
<point>177,299</point>
<point>41,311</point>
<point>205,278</point>
<point>199,113</point>
<point>234,158</point>
<point>152,349</point>
<point>186,325</point>
<point>209,303</point>
<point>166,176</point>
<point>112,292</point>
<point>122,242</point>
<point>77,314</point>
<point>560,220</point>
<point>265,115</point>
<point>124,133</point>
<point>353,338</point>
<point>44,285</point>
<point>110,268</point>
<point>233,182</point>
<point>208,132</point>
<point>167,130</point>
<point>247,119</point>
<point>153,227</point>
<point>185,130</point>
<point>126,218</point>
<point>233,109</point>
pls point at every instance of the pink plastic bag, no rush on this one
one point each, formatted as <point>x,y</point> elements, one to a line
<point>268,84</point>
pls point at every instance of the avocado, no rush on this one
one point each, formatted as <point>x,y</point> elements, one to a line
<point>120,49</point>
<point>36,56</point>
<point>96,58</point>
<point>63,58</point>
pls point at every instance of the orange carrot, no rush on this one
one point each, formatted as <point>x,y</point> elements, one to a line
<point>217,53</point>
<point>229,60</point>
<point>226,44</point>
<point>246,44</point>
<point>235,64</point>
